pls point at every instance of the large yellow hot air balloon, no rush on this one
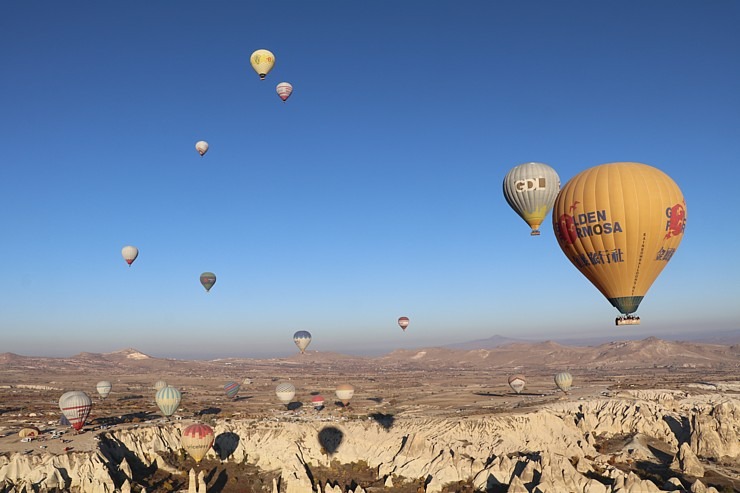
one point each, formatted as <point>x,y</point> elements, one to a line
<point>620,224</point>
<point>262,62</point>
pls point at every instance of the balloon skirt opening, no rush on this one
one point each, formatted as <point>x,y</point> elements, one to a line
<point>626,304</point>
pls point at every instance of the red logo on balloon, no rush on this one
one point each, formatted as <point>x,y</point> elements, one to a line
<point>676,221</point>
<point>567,226</point>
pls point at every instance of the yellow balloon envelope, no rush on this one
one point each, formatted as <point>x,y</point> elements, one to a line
<point>620,224</point>
<point>262,62</point>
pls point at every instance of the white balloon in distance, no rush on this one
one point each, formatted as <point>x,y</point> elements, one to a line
<point>129,254</point>
<point>202,147</point>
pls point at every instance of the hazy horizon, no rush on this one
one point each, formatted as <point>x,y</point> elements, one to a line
<point>721,336</point>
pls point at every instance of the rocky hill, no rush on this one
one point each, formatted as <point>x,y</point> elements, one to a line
<point>633,442</point>
<point>646,353</point>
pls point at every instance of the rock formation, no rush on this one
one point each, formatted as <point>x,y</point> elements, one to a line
<point>552,449</point>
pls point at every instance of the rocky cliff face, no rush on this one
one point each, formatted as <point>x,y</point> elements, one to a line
<point>583,446</point>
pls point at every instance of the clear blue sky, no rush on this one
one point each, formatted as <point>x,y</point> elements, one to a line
<point>374,192</point>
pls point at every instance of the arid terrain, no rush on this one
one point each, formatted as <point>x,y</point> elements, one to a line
<point>641,416</point>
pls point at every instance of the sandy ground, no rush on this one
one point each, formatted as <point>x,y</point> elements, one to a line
<point>381,392</point>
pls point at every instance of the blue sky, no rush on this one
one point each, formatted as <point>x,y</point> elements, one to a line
<point>374,192</point>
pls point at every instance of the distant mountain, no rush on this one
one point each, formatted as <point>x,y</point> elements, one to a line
<point>116,362</point>
<point>646,353</point>
<point>728,337</point>
<point>490,343</point>
<point>128,353</point>
<point>10,358</point>
<point>506,355</point>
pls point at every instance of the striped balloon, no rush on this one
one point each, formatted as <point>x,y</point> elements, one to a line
<point>159,385</point>
<point>517,383</point>
<point>285,392</point>
<point>284,90</point>
<point>564,380</point>
<point>231,389</point>
<point>103,388</point>
<point>197,439</point>
<point>345,392</point>
<point>403,322</point>
<point>168,400</point>
<point>75,406</point>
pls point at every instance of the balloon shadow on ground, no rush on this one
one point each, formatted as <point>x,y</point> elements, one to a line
<point>242,398</point>
<point>384,420</point>
<point>128,418</point>
<point>682,429</point>
<point>526,394</point>
<point>315,393</point>
<point>489,394</point>
<point>225,444</point>
<point>340,404</point>
<point>293,406</point>
<point>330,437</point>
<point>376,400</point>
<point>220,483</point>
<point>208,410</point>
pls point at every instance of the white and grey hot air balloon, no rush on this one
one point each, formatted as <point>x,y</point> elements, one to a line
<point>302,339</point>
<point>285,392</point>
<point>103,387</point>
<point>531,189</point>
